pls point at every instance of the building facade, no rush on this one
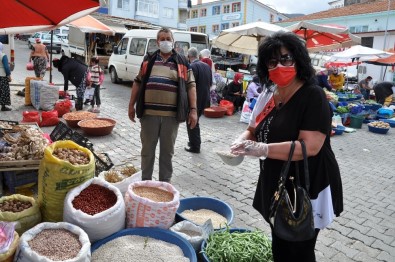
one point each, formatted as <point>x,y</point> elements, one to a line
<point>211,18</point>
<point>172,14</point>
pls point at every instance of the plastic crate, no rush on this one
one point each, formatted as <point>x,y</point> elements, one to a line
<point>61,132</point>
<point>81,140</point>
<point>14,179</point>
<point>102,162</point>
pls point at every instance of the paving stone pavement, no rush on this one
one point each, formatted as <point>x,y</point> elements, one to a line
<point>365,231</point>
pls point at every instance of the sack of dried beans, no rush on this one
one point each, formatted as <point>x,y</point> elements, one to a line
<point>47,242</point>
<point>151,204</point>
<point>97,207</point>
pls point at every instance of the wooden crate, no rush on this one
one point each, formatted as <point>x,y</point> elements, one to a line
<point>16,165</point>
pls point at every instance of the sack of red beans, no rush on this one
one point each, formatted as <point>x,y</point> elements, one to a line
<point>97,207</point>
<point>47,242</point>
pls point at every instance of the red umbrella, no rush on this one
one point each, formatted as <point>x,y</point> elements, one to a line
<point>340,63</point>
<point>324,37</point>
<point>24,16</point>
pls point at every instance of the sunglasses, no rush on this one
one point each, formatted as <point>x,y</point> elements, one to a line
<point>285,60</point>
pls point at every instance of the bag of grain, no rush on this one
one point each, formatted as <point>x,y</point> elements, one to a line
<point>151,204</point>
<point>20,209</point>
<point>47,242</point>
<point>119,179</point>
<point>65,165</point>
<point>97,207</point>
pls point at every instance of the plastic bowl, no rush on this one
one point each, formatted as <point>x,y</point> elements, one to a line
<point>72,118</point>
<point>228,158</point>
<point>339,130</point>
<point>157,233</point>
<point>97,131</point>
<point>196,203</point>
<point>389,121</point>
<point>214,112</point>
<point>378,130</point>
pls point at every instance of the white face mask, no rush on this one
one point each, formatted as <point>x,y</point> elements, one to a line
<point>165,46</point>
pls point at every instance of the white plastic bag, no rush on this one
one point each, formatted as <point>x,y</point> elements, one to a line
<point>123,185</point>
<point>25,254</point>
<point>102,224</point>
<point>182,229</point>
<point>245,113</point>
<point>89,92</point>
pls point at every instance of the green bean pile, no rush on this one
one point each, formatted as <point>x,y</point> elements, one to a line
<point>251,246</point>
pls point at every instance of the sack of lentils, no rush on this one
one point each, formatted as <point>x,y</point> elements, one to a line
<point>20,209</point>
<point>97,207</point>
<point>151,204</point>
<point>47,242</point>
<point>65,165</point>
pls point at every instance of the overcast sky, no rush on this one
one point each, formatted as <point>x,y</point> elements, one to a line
<point>292,6</point>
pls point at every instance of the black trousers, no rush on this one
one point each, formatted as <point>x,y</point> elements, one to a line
<point>285,251</point>
<point>96,95</point>
<point>194,134</point>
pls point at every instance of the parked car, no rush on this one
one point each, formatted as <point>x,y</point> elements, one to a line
<point>46,40</point>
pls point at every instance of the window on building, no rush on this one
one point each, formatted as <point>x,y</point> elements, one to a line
<point>137,46</point>
<point>216,10</point>
<point>234,24</point>
<point>226,9</point>
<point>148,8</point>
<point>271,18</point>
<point>203,12</point>
<point>215,29</point>
<point>367,41</point>
<point>224,26</point>
<point>359,29</point>
<point>168,12</point>
<point>123,4</point>
<point>236,7</point>
<point>202,29</point>
<point>119,3</point>
<point>194,14</point>
<point>193,29</point>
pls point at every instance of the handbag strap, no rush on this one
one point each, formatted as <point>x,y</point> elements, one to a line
<point>306,167</point>
<point>285,168</point>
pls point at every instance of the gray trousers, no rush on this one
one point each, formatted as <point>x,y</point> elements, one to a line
<point>153,129</point>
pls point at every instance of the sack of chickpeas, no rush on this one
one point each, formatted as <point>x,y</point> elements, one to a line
<point>65,165</point>
<point>47,242</point>
<point>20,209</point>
<point>151,204</point>
<point>97,207</point>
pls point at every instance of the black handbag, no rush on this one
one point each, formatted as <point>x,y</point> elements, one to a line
<point>291,213</point>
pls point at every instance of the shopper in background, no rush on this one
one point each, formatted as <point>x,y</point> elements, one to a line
<point>164,93</point>
<point>364,87</point>
<point>322,79</point>
<point>234,91</point>
<point>254,88</point>
<point>295,108</point>
<point>5,78</point>
<point>97,78</point>
<point>203,80</point>
<point>336,79</point>
<point>76,72</point>
<point>384,93</point>
<point>40,58</point>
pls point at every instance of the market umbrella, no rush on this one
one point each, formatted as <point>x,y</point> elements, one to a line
<point>324,37</point>
<point>26,16</point>
<point>244,39</point>
<point>386,61</point>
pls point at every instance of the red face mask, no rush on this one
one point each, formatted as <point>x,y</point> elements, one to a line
<point>282,75</point>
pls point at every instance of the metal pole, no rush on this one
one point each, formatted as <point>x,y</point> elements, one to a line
<point>385,38</point>
<point>50,58</point>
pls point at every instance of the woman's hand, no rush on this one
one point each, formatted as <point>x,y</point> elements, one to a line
<point>250,148</point>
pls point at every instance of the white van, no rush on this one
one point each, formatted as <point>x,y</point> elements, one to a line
<point>9,49</point>
<point>125,61</point>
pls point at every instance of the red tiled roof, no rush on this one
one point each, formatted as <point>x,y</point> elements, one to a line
<point>355,9</point>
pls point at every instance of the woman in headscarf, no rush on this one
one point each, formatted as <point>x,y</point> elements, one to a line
<point>234,91</point>
<point>5,78</point>
<point>40,56</point>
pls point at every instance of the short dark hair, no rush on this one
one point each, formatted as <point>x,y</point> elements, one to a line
<point>369,78</point>
<point>271,48</point>
<point>164,30</point>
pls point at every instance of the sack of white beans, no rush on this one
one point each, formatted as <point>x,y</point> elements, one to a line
<point>97,207</point>
<point>151,204</point>
<point>47,242</point>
